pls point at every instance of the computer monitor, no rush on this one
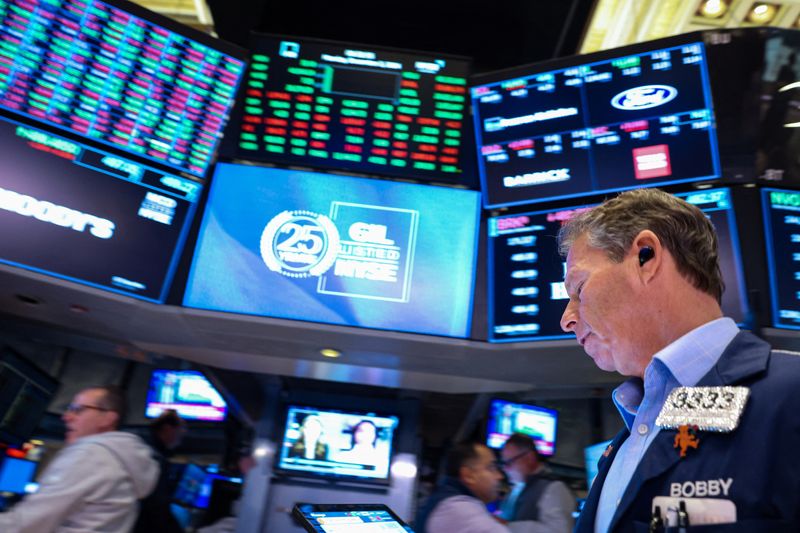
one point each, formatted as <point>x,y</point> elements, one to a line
<point>190,486</point>
<point>16,475</point>
<point>626,118</point>
<point>507,417</point>
<point>781,222</point>
<point>526,274</point>
<point>186,391</point>
<point>353,107</point>
<point>591,455</point>
<point>348,518</point>
<point>337,249</point>
<point>121,75</point>
<point>336,444</point>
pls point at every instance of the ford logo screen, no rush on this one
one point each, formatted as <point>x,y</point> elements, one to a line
<point>644,97</point>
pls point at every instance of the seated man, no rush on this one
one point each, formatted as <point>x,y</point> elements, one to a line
<point>459,502</point>
<point>95,481</point>
<point>539,503</point>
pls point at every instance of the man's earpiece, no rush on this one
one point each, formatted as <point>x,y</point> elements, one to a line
<point>645,255</point>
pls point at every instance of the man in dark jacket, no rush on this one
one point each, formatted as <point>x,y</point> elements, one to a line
<point>711,413</point>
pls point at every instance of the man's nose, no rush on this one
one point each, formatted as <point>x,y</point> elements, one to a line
<point>570,318</point>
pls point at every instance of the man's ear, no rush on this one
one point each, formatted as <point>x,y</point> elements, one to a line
<point>466,475</point>
<point>647,253</point>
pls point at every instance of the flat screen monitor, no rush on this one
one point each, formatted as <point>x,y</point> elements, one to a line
<point>79,213</point>
<point>526,274</point>
<point>633,117</point>
<point>349,518</point>
<point>186,391</point>
<point>190,486</point>
<point>121,75</point>
<point>337,444</point>
<point>507,417</point>
<point>336,249</point>
<point>25,392</point>
<point>591,456</point>
<point>782,226</point>
<point>353,107</point>
<point>16,475</point>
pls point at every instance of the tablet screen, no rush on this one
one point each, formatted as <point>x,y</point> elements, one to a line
<point>349,518</point>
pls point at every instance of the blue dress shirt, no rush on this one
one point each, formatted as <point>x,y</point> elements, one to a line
<point>681,364</point>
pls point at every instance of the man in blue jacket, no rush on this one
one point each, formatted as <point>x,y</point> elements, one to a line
<point>711,413</point>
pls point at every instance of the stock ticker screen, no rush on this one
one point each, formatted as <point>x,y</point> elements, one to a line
<point>630,121</point>
<point>90,216</point>
<point>526,274</point>
<point>352,107</point>
<point>104,71</point>
<point>782,226</point>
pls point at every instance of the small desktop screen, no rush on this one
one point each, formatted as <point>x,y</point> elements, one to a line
<point>333,443</point>
<point>583,127</point>
<point>337,249</point>
<point>186,391</point>
<point>120,75</point>
<point>782,226</point>
<point>349,518</point>
<point>507,417</point>
<point>526,274</point>
<point>16,475</point>
<point>353,107</point>
<point>591,455</point>
<point>190,486</point>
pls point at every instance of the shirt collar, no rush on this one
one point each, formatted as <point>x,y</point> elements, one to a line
<point>688,359</point>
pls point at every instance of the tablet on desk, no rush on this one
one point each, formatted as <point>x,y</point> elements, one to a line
<point>349,518</point>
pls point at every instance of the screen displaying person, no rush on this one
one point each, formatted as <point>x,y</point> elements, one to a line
<point>311,444</point>
<point>363,441</point>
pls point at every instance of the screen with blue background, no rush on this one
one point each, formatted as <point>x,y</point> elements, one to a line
<point>526,273</point>
<point>16,474</point>
<point>592,455</point>
<point>336,249</point>
<point>639,119</point>
<point>506,418</point>
<point>186,391</point>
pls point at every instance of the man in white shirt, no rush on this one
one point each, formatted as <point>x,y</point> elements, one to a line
<point>96,480</point>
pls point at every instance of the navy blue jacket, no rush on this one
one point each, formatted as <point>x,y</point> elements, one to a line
<point>761,456</point>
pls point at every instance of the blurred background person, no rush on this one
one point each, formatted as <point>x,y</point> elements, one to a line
<point>311,443</point>
<point>165,434</point>
<point>458,503</point>
<point>94,483</point>
<point>538,503</point>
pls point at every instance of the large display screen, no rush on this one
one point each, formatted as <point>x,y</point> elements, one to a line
<point>353,107</point>
<point>119,74</point>
<point>506,418</point>
<point>186,391</point>
<point>86,215</point>
<point>526,289</point>
<point>782,226</point>
<point>334,443</point>
<point>336,249</point>
<point>635,120</point>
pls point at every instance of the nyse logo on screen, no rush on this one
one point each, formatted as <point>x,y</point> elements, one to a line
<point>58,215</point>
<point>644,97</point>
<point>360,251</point>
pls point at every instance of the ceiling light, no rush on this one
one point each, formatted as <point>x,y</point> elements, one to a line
<point>330,352</point>
<point>712,8</point>
<point>762,13</point>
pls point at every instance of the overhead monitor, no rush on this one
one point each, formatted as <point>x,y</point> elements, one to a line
<point>353,107</point>
<point>634,117</point>
<point>121,75</point>
<point>507,417</point>
<point>70,210</point>
<point>186,391</point>
<point>526,274</point>
<point>336,249</point>
<point>337,444</point>
<point>782,226</point>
